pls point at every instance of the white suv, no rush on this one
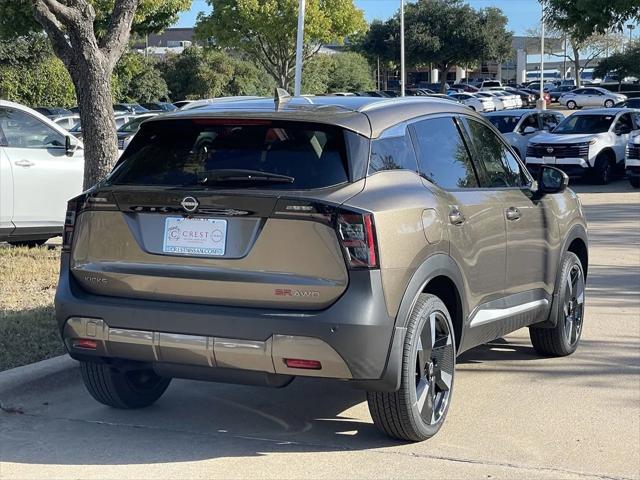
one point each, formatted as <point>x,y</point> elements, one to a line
<point>590,142</point>
<point>632,161</point>
<point>41,167</point>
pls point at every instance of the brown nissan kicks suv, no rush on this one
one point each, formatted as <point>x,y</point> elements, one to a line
<point>364,239</point>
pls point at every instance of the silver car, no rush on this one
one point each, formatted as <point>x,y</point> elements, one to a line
<point>591,97</point>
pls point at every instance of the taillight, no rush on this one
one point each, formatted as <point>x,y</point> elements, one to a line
<point>356,231</point>
<point>83,203</point>
<point>357,235</point>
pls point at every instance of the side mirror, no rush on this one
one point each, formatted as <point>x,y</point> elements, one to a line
<point>70,144</point>
<point>551,180</point>
<point>529,130</point>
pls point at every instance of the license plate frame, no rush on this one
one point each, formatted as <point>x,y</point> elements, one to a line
<point>195,237</point>
<point>549,160</point>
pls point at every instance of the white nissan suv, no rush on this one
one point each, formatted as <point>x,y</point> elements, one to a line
<point>590,142</point>
<point>632,161</point>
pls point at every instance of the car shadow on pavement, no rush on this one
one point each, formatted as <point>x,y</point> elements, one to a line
<point>620,184</point>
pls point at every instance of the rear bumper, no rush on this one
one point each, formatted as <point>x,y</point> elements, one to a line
<point>352,339</point>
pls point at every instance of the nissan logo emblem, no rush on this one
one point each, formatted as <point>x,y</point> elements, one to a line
<point>549,150</point>
<point>189,204</point>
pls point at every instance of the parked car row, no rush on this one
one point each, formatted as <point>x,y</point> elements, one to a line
<point>589,143</point>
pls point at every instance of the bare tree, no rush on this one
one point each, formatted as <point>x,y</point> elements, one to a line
<point>580,53</point>
<point>70,28</point>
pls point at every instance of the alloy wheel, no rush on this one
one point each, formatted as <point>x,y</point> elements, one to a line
<point>434,368</point>
<point>573,306</point>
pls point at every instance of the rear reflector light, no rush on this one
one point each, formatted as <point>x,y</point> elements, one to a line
<point>357,235</point>
<point>85,343</point>
<point>300,363</point>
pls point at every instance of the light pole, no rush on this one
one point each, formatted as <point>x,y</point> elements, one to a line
<point>541,104</point>
<point>402,73</point>
<point>631,26</point>
<point>299,47</point>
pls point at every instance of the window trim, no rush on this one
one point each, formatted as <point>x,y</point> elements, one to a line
<point>52,147</point>
<point>464,120</point>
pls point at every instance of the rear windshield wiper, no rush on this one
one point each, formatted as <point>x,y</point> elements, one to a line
<point>239,175</point>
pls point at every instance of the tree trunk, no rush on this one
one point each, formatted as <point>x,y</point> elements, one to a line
<point>443,78</point>
<point>70,28</point>
<point>576,64</point>
<point>92,80</point>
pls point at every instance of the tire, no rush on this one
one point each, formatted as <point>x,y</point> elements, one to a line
<point>608,103</point>
<point>568,311</point>
<point>571,105</point>
<point>29,243</point>
<point>603,168</point>
<point>635,182</point>
<point>418,409</point>
<point>122,389</point>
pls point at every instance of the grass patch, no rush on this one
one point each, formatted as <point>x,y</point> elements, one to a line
<point>28,330</point>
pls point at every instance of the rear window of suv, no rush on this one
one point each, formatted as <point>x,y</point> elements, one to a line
<point>234,154</point>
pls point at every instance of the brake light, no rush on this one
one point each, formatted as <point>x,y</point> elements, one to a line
<point>357,235</point>
<point>83,203</point>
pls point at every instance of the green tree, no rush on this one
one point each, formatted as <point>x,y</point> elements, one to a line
<point>381,44</point>
<point>265,30</point>
<point>248,79</point>
<point>42,83</point>
<point>139,79</point>
<point>89,36</point>
<point>585,17</point>
<point>315,79</point>
<point>351,73</point>
<point>341,72</point>
<point>25,49</point>
<point>198,73</point>
<point>623,64</point>
<point>450,32</point>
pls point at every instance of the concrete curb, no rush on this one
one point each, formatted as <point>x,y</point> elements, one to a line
<point>26,380</point>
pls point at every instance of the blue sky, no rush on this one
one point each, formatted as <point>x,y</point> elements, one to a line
<point>522,14</point>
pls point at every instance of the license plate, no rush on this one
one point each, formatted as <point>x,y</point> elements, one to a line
<point>548,159</point>
<point>195,236</point>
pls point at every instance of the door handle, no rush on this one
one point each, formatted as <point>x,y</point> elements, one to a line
<point>513,213</point>
<point>456,217</point>
<point>24,163</point>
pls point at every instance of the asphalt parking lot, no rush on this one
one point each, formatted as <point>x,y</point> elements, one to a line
<point>514,414</point>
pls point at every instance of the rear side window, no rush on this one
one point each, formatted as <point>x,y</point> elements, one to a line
<point>443,158</point>
<point>234,154</point>
<point>392,153</point>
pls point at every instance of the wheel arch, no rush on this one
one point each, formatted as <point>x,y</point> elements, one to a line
<point>608,151</point>
<point>576,242</point>
<point>439,275</point>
